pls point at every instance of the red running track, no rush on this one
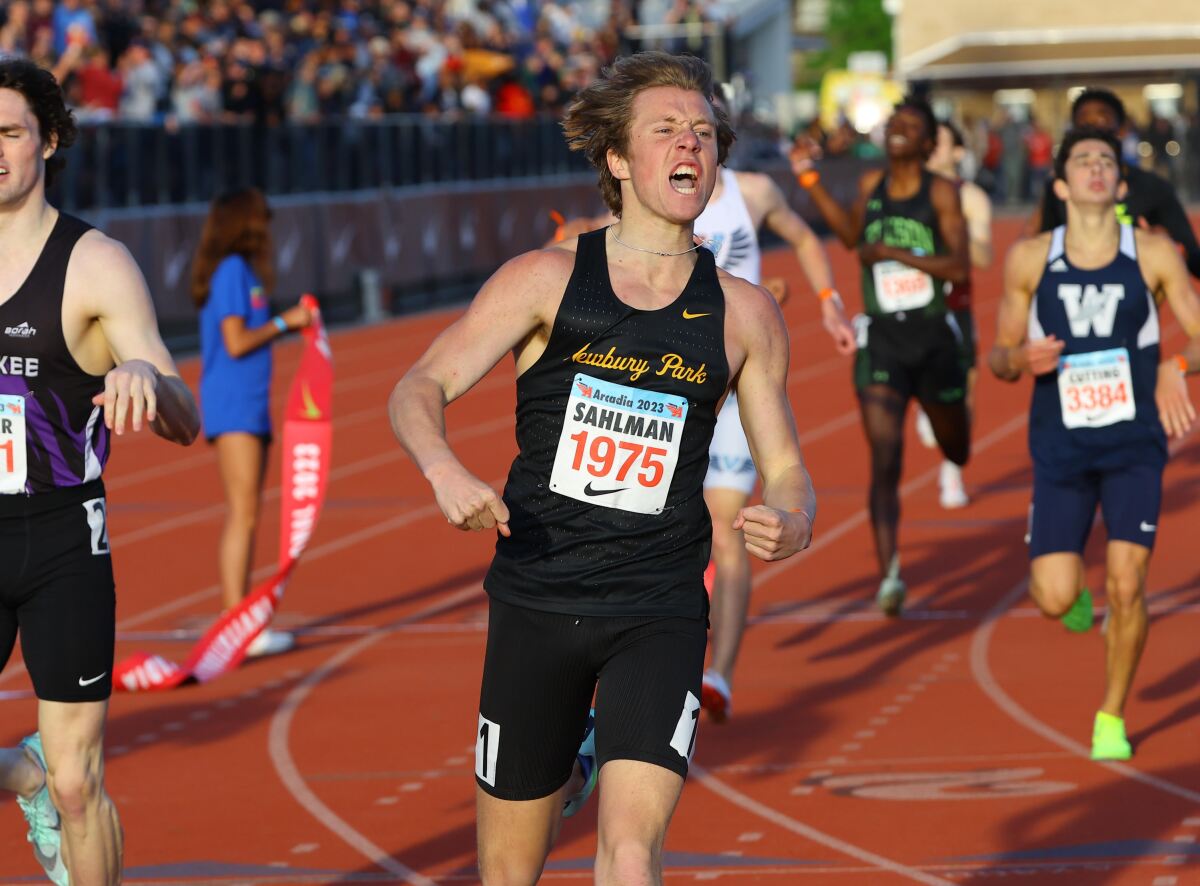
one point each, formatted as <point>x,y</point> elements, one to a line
<point>945,747</point>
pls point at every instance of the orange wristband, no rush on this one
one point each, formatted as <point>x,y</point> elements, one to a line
<point>808,178</point>
<point>1181,362</point>
<point>827,294</point>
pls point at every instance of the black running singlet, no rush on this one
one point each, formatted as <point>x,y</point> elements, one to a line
<point>614,422</point>
<point>51,436</point>
<point>892,287</point>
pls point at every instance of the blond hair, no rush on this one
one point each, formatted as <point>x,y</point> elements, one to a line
<point>597,120</point>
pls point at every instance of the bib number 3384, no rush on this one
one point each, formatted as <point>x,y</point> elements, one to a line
<point>12,444</point>
<point>619,446</point>
<point>1096,389</point>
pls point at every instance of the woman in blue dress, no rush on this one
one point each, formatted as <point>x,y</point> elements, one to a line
<point>232,272</point>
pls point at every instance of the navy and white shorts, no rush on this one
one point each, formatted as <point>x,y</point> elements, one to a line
<point>539,675</point>
<point>1064,507</point>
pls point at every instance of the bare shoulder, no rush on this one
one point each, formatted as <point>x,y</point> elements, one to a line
<point>747,303</point>
<point>1025,257</point>
<point>100,256</point>
<point>870,180</point>
<point>755,182</point>
<point>943,189</point>
<point>972,193</point>
<point>1154,246</point>
<point>539,267</point>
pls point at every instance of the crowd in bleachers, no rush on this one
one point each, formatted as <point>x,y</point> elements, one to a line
<point>268,61</point>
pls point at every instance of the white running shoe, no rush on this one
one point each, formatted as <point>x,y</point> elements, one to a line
<point>950,482</point>
<point>892,590</point>
<point>270,642</point>
<point>925,430</point>
<point>715,696</point>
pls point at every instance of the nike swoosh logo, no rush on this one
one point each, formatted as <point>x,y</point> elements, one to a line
<point>1148,527</point>
<point>588,490</point>
<point>688,315</point>
<point>83,682</point>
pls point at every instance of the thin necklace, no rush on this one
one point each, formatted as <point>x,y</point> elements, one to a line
<point>652,251</point>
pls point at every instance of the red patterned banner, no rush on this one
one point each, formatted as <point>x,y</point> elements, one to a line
<point>307,440</point>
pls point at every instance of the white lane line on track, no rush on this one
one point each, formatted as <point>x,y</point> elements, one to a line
<point>981,670</point>
<point>285,766</point>
<point>980,644</point>
<point>788,823</point>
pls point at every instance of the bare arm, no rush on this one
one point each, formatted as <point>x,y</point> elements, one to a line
<point>847,225</point>
<point>145,383</point>
<point>780,219</point>
<point>978,211</point>
<point>241,340</point>
<point>782,525</point>
<point>509,310</point>
<point>1012,354</point>
<point>1167,275</point>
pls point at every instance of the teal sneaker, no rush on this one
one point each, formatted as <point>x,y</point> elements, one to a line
<point>45,825</point>
<point>587,762</point>
<point>1079,617</point>
<point>1108,738</point>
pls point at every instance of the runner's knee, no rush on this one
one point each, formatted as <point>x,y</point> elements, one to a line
<point>1123,589</point>
<point>1053,595</point>
<point>626,859</point>
<point>74,787</point>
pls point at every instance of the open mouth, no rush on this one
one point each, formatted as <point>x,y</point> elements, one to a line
<point>684,179</point>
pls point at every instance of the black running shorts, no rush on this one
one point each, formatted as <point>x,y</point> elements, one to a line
<point>539,675</point>
<point>917,357</point>
<point>56,589</point>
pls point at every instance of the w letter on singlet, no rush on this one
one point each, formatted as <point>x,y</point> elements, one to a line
<point>1091,309</point>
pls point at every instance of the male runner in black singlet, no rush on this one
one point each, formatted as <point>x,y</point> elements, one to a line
<point>1149,200</point>
<point>72,304</point>
<point>626,341</point>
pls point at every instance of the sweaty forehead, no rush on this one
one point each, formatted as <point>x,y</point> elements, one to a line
<point>659,102</point>
<point>1090,148</point>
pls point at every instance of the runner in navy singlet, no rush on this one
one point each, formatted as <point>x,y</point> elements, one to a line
<point>625,341</point>
<point>73,305</point>
<point>1080,315</point>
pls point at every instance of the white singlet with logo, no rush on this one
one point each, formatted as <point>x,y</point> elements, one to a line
<point>729,232</point>
<point>619,446</point>
<point>1096,389</point>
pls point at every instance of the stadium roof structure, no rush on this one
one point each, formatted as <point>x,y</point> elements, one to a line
<point>1021,55</point>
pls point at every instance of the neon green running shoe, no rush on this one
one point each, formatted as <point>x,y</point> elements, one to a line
<point>1108,738</point>
<point>1079,617</point>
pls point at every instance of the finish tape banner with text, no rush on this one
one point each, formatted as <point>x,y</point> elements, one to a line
<point>307,439</point>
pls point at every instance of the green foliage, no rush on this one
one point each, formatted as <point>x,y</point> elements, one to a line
<point>854,26</point>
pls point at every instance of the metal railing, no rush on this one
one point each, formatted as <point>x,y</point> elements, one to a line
<point>127,165</point>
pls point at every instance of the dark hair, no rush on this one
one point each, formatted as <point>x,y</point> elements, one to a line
<point>56,124</point>
<point>1083,134</point>
<point>955,135</point>
<point>920,107</point>
<point>1105,97</point>
<point>238,223</point>
<point>597,120</point>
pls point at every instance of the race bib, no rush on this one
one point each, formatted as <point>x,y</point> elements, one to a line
<point>1096,389</point>
<point>619,446</point>
<point>12,444</point>
<point>899,287</point>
